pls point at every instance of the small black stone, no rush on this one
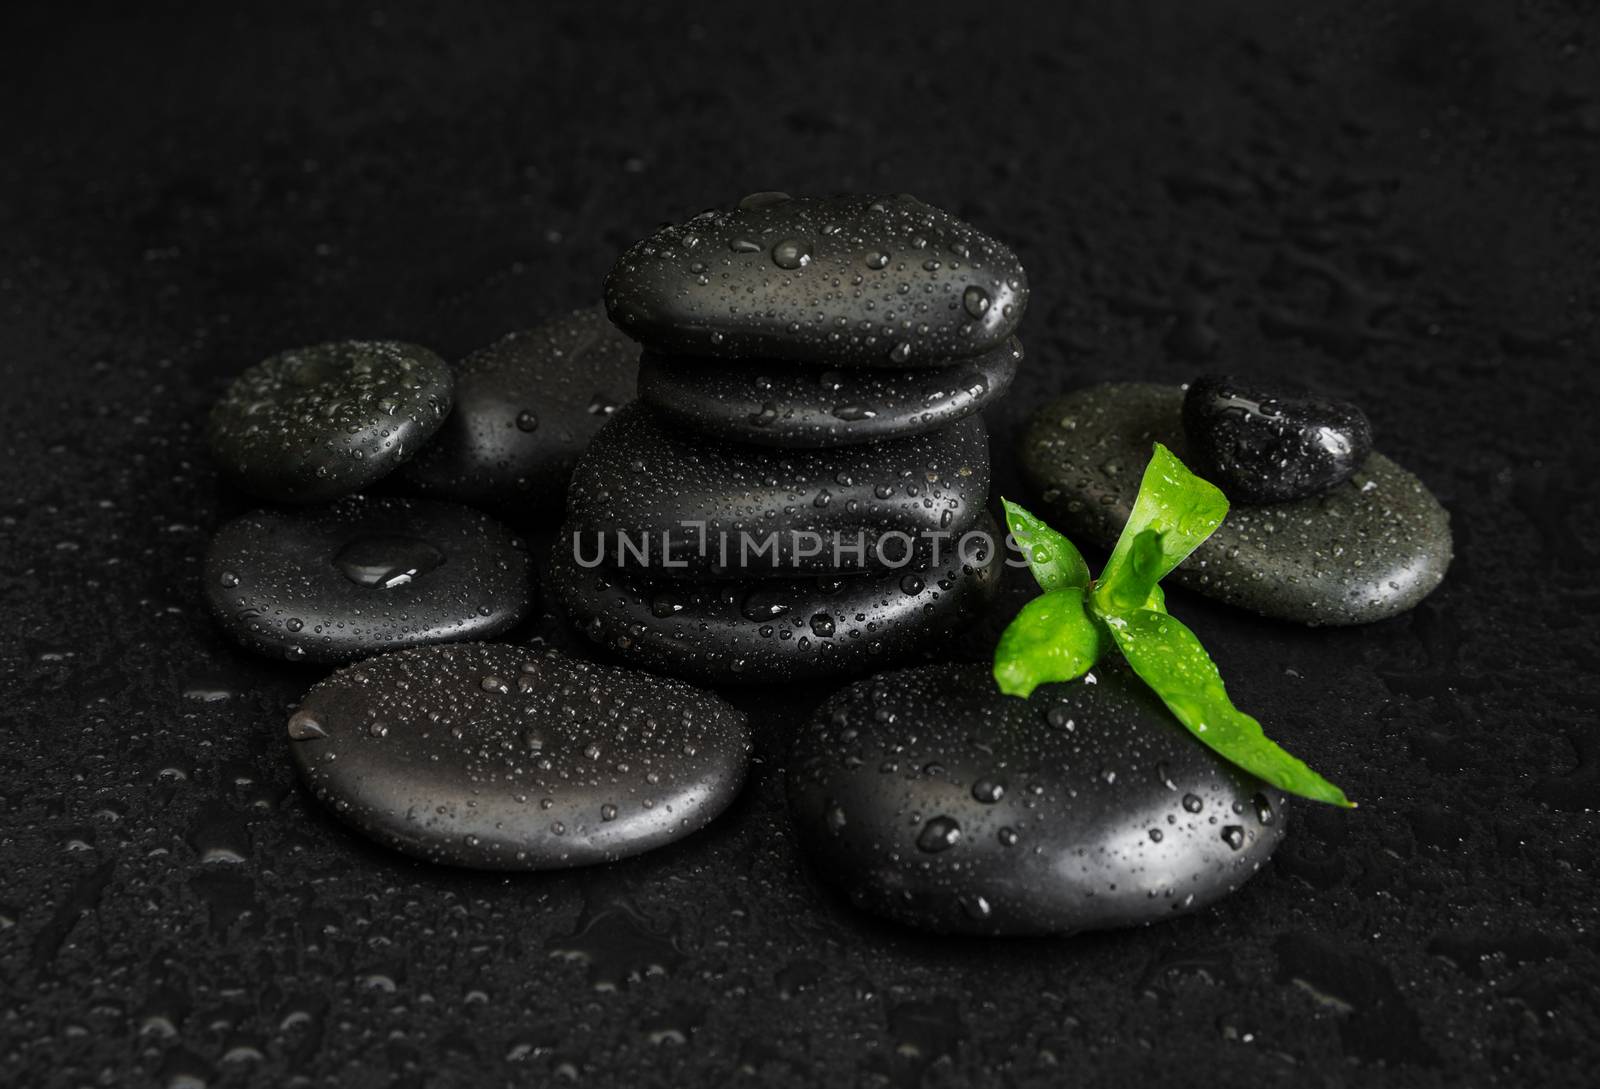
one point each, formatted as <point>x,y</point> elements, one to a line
<point>365,575</point>
<point>930,798</point>
<point>813,405</point>
<point>645,482</point>
<point>525,407</point>
<point>314,423</point>
<point>1270,446</point>
<point>504,758</point>
<point>850,280</point>
<point>1363,550</point>
<point>755,631</point>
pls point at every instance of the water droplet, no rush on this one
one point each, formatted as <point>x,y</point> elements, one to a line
<point>975,301</point>
<point>527,421</point>
<point>303,727</point>
<point>386,561</point>
<point>822,626</point>
<point>900,352</point>
<point>939,834</point>
<point>1192,803</point>
<point>1233,836</point>
<point>988,791</point>
<point>791,253</point>
<point>877,260</point>
<point>763,200</point>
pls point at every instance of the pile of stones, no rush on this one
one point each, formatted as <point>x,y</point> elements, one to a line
<point>801,489</point>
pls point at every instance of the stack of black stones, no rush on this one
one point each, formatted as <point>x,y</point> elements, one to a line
<point>801,489</point>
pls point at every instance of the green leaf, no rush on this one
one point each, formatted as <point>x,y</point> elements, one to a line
<point>1054,561</point>
<point>1173,512</point>
<point>1052,639</point>
<point>1170,659</point>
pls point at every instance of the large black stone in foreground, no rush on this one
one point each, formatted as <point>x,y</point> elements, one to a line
<point>505,758</point>
<point>928,797</point>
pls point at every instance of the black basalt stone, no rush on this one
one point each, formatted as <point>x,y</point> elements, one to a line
<point>1265,446</point>
<point>849,280</point>
<point>525,408</point>
<point>928,797</point>
<point>502,758</point>
<point>768,630</point>
<point>679,495</point>
<point>1364,550</point>
<point>365,575</point>
<point>814,405</point>
<point>311,424</point>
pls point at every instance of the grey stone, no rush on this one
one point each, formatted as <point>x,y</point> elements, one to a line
<point>1367,549</point>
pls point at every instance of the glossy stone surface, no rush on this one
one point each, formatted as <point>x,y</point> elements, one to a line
<point>812,405</point>
<point>314,423</point>
<point>1365,550</point>
<point>504,758</point>
<point>1261,445</point>
<point>525,408</point>
<point>646,481</point>
<point>849,280</point>
<point>766,630</point>
<point>928,797</point>
<point>364,575</point>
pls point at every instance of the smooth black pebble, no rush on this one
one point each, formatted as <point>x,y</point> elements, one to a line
<point>1270,446</point>
<point>525,408</point>
<point>930,798</point>
<point>849,280</point>
<point>315,423</point>
<point>813,405</point>
<point>645,493</point>
<point>1364,550</point>
<point>756,631</point>
<point>505,758</point>
<point>364,575</point>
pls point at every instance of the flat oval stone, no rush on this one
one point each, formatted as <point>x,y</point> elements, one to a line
<point>768,630</point>
<point>1264,446</point>
<point>525,408</point>
<point>858,281</point>
<point>365,575</point>
<point>930,798</point>
<point>314,423</point>
<point>649,496</point>
<point>815,405</point>
<point>1366,549</point>
<point>502,758</point>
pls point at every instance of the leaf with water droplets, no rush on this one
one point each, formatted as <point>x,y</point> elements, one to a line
<point>1055,562</point>
<point>1052,639</point>
<point>1169,658</point>
<point>1174,512</point>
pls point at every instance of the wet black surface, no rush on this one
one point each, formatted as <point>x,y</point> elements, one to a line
<point>1392,204</point>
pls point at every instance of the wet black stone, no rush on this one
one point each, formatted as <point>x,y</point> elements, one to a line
<point>646,481</point>
<point>1261,445</point>
<point>1364,550</point>
<point>765,630</point>
<point>928,797</point>
<point>365,575</point>
<point>504,758</point>
<point>525,407</point>
<point>850,280</point>
<point>811,405</point>
<point>315,423</point>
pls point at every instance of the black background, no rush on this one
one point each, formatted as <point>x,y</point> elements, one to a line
<point>1396,203</point>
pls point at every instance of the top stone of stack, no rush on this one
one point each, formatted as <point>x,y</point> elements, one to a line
<point>852,281</point>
